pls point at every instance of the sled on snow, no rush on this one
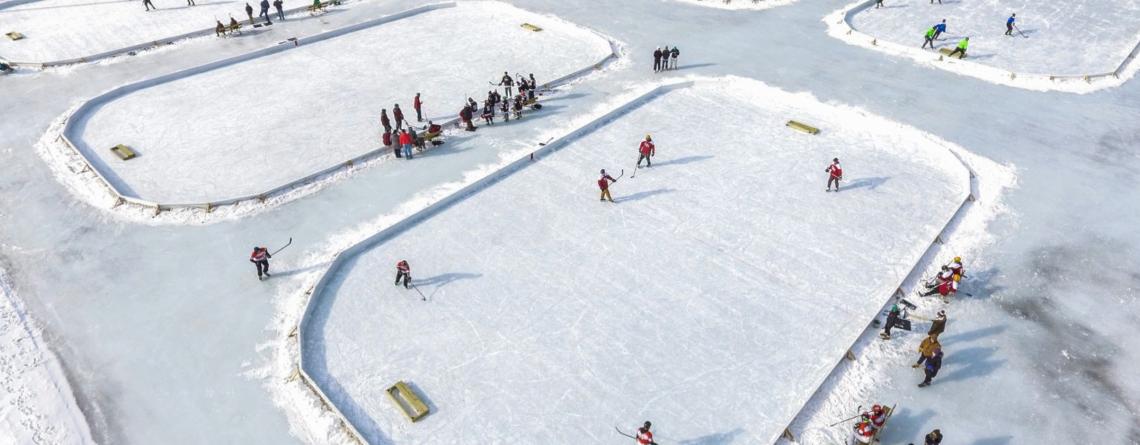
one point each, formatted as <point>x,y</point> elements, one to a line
<point>947,51</point>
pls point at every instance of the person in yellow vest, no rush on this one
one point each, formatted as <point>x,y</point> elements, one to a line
<point>961,49</point>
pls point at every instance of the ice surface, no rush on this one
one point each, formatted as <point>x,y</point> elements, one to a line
<point>248,128</point>
<point>545,304</point>
<point>1073,37</point>
<point>68,29</point>
<point>740,4</point>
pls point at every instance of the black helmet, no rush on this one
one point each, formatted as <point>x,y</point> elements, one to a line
<point>647,424</point>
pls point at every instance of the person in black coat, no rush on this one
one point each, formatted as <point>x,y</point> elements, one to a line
<point>934,438</point>
<point>265,11</point>
<point>933,364</point>
<point>657,59</point>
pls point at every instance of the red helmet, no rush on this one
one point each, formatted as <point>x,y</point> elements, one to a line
<point>877,408</point>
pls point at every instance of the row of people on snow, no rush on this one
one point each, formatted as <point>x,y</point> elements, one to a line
<point>665,59</point>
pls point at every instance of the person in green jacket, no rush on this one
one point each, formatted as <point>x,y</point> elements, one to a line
<point>961,49</point>
<point>929,38</point>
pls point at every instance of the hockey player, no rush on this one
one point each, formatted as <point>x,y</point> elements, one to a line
<point>404,272</point>
<point>938,30</point>
<point>934,438</point>
<point>260,258</point>
<point>878,416</point>
<point>644,436</point>
<point>385,121</point>
<point>398,115</point>
<point>946,289</point>
<point>418,105</point>
<point>892,319</point>
<point>928,38</point>
<point>937,324</point>
<point>933,364</point>
<point>647,150</point>
<point>956,267</point>
<point>1009,24</point>
<point>506,82</point>
<point>835,174</point>
<point>943,276</point>
<point>604,184</point>
<point>864,431</point>
<point>961,49</point>
<point>926,350</point>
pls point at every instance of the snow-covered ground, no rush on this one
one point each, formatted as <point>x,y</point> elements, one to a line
<point>545,304</point>
<point>36,402</point>
<point>247,128</point>
<point>1062,38</point>
<point>70,29</point>
<point>166,337</point>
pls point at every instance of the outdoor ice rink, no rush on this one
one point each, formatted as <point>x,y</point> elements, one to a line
<point>725,266</point>
<point>258,124</point>
<point>1073,37</point>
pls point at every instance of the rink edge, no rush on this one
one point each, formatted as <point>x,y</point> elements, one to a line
<point>839,26</point>
<point>148,210</point>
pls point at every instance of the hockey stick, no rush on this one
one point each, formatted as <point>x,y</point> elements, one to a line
<point>620,175</point>
<point>1019,31</point>
<point>543,144</point>
<point>422,297</point>
<point>624,434</point>
<point>283,247</point>
<point>860,409</point>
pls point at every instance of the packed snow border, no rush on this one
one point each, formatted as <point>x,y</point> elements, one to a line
<point>86,181</point>
<point>839,25</point>
<point>740,5</point>
<point>310,409</point>
<point>157,42</point>
<point>854,383</point>
<point>37,405</point>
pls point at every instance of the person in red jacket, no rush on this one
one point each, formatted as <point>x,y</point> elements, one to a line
<point>835,174</point>
<point>404,272</point>
<point>864,431</point>
<point>604,184</point>
<point>644,436</point>
<point>417,104</point>
<point>946,288</point>
<point>647,150</point>
<point>260,258</point>
<point>398,115</point>
<point>385,121</point>
<point>406,143</point>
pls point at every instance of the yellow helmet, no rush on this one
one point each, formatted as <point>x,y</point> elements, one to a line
<point>957,278</point>
<point>957,259</point>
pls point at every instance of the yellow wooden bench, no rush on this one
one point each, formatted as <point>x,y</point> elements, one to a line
<point>531,27</point>
<point>123,152</point>
<point>803,127</point>
<point>408,401</point>
<point>14,35</point>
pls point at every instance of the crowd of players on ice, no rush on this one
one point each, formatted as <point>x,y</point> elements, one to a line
<point>936,30</point>
<point>518,92</point>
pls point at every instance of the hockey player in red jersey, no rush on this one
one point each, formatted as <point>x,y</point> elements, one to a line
<point>946,288</point>
<point>647,150</point>
<point>260,258</point>
<point>644,436</point>
<point>404,272</point>
<point>835,174</point>
<point>604,184</point>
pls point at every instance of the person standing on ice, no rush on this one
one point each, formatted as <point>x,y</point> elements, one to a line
<point>190,3</point>
<point>398,115</point>
<point>961,49</point>
<point>933,364</point>
<point>934,438</point>
<point>1009,24</point>
<point>878,4</point>
<point>248,12</point>
<point>835,174</point>
<point>926,350</point>
<point>928,38</point>
<point>604,184</point>
<point>673,53</point>
<point>280,7</point>
<point>506,82</point>
<point>644,435</point>
<point>665,58</point>
<point>406,143</point>
<point>418,105</point>
<point>647,150</point>
<point>385,121</point>
<point>148,5</point>
<point>265,11</point>
<point>938,30</point>
<point>388,142</point>
<point>404,272</point>
<point>260,258</point>
<point>657,59</point>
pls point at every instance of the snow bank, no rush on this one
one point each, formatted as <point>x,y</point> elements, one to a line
<point>738,5</point>
<point>754,210</point>
<point>36,406</point>
<point>1073,46</point>
<point>184,183</point>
